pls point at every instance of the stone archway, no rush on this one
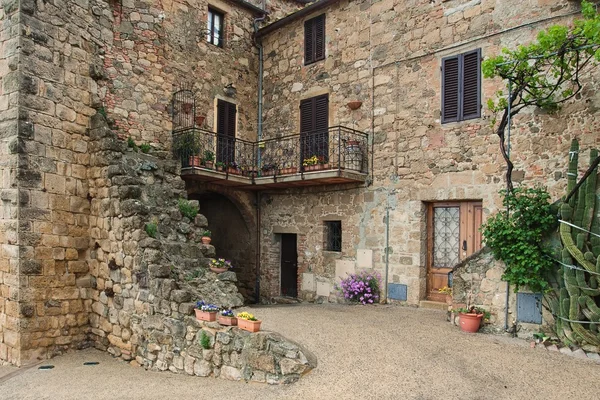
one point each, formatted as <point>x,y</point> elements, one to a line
<point>233,231</point>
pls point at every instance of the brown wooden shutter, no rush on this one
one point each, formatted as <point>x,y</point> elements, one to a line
<point>306,116</point>
<point>314,39</point>
<point>471,85</point>
<point>321,116</point>
<point>308,42</point>
<point>450,89</point>
<point>319,37</point>
<point>221,116</point>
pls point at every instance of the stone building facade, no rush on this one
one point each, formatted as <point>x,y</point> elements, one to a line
<point>388,54</point>
<point>73,257</point>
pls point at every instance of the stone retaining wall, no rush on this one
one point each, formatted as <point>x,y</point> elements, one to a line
<point>234,354</point>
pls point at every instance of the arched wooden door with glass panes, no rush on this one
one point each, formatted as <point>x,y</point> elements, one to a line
<point>452,235</point>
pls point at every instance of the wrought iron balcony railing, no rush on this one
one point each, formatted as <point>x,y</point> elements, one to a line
<point>337,148</point>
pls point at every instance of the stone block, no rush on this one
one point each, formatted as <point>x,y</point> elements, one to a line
<point>230,373</point>
<point>308,282</point>
<point>202,368</point>
<point>364,258</point>
<point>289,366</point>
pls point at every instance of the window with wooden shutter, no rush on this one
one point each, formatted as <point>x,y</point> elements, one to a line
<point>314,39</point>
<point>461,87</point>
<point>226,118</point>
<point>314,128</point>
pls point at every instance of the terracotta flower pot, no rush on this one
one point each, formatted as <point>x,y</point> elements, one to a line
<point>199,120</point>
<point>250,326</point>
<point>205,315</point>
<point>218,270</point>
<point>194,161</point>
<point>227,321</point>
<point>354,105</point>
<point>208,164</point>
<point>469,322</point>
<point>206,239</point>
<point>449,299</point>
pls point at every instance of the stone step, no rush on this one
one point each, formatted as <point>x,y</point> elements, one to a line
<point>433,305</point>
<point>286,300</point>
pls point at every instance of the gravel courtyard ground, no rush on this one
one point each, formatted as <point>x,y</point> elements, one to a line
<point>382,352</point>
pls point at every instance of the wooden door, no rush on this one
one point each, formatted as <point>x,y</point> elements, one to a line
<point>314,128</point>
<point>226,118</point>
<point>289,265</point>
<point>452,235</point>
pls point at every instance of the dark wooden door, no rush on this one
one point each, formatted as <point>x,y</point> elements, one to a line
<point>289,265</point>
<point>453,234</point>
<point>226,117</point>
<point>314,128</point>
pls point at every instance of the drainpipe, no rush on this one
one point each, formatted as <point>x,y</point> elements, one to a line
<point>257,268</point>
<point>387,245</point>
<point>259,45</point>
<point>259,135</point>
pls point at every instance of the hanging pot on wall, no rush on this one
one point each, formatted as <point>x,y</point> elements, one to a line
<point>354,104</point>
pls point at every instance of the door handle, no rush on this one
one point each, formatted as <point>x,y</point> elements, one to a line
<point>464,246</point>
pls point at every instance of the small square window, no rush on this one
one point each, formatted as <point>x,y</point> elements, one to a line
<point>214,27</point>
<point>333,235</point>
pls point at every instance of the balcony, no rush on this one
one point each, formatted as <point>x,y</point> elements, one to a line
<point>333,156</point>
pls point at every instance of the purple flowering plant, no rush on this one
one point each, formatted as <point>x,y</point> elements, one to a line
<point>201,305</point>
<point>363,287</point>
<point>227,313</point>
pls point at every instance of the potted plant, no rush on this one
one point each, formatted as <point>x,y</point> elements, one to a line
<point>209,158</point>
<point>206,237</point>
<point>470,318</point>
<point>220,165</point>
<point>248,322</point>
<point>268,169</point>
<point>227,318</point>
<point>448,292</point>
<point>199,120</point>
<point>205,311</point>
<point>219,265</point>
<point>314,163</point>
<point>233,168</point>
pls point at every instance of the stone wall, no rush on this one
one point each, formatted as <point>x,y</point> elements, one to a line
<point>136,278</point>
<point>152,49</point>
<point>478,281</point>
<point>9,192</point>
<point>233,354</point>
<point>388,55</point>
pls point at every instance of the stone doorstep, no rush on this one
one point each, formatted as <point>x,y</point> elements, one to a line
<point>578,353</point>
<point>433,305</point>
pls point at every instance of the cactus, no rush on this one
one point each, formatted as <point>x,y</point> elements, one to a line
<point>577,292</point>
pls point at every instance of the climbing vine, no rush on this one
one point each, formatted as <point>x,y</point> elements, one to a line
<point>545,73</point>
<point>515,237</point>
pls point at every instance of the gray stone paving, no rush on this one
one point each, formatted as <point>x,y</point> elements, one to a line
<point>383,352</point>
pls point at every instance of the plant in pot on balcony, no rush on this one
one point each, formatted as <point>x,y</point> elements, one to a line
<point>248,322</point>
<point>311,163</point>
<point>268,169</point>
<point>220,265</point>
<point>227,318</point>
<point>206,237</point>
<point>220,166</point>
<point>233,168</point>
<point>205,311</point>
<point>470,318</point>
<point>208,159</point>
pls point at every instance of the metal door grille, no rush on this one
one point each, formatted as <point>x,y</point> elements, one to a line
<point>446,236</point>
